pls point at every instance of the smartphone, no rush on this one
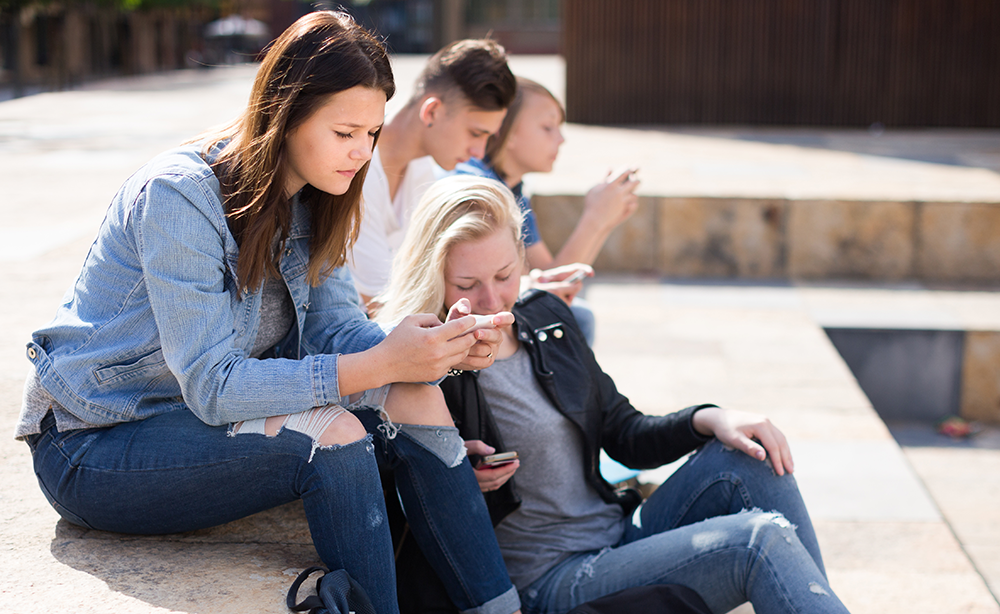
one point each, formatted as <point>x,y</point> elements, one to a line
<point>628,172</point>
<point>482,322</point>
<point>497,460</point>
<point>575,277</point>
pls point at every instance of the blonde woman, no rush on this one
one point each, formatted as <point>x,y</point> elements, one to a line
<point>730,523</point>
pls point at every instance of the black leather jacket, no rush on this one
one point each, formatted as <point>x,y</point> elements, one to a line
<point>588,397</point>
<point>571,378</point>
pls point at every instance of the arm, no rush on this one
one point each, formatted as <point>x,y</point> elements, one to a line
<point>188,261</point>
<point>605,207</point>
<point>188,258</point>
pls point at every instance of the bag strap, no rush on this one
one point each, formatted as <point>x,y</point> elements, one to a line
<point>312,601</point>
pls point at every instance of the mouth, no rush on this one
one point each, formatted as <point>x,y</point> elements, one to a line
<point>349,172</point>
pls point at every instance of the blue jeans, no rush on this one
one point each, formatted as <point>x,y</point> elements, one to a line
<point>173,473</point>
<point>704,528</point>
<point>584,318</point>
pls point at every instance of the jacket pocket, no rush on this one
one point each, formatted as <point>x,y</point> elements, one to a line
<point>144,366</point>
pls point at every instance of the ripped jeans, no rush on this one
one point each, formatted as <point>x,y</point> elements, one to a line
<point>704,529</point>
<point>173,473</point>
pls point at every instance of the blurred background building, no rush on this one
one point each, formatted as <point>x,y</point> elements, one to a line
<point>777,62</point>
<point>59,44</point>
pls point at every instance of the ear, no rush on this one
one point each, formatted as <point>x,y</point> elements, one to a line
<point>430,109</point>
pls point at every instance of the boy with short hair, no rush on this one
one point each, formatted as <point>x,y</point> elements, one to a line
<point>460,99</point>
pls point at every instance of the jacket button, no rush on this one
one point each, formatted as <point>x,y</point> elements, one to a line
<point>32,354</point>
<point>557,333</point>
<point>542,336</point>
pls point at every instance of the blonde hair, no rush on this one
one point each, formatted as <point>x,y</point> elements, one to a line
<point>495,144</point>
<point>454,210</point>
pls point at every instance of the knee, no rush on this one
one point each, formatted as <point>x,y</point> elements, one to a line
<point>417,404</point>
<point>768,530</point>
<point>342,431</point>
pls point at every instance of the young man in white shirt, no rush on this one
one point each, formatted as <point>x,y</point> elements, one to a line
<point>460,99</point>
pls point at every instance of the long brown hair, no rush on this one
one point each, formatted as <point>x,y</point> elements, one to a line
<point>321,54</point>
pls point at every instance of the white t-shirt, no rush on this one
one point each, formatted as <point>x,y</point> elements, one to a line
<point>385,220</point>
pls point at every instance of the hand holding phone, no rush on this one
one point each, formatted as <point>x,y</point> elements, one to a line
<point>575,277</point>
<point>482,322</point>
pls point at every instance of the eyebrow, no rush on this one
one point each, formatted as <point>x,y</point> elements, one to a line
<point>351,125</point>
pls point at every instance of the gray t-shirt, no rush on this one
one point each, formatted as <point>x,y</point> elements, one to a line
<point>560,513</point>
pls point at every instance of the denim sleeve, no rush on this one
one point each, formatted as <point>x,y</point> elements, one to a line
<point>529,226</point>
<point>182,239</point>
<point>335,322</point>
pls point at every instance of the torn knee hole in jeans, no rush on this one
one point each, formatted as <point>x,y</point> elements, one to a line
<point>586,569</point>
<point>776,518</point>
<point>313,423</point>
<point>443,442</point>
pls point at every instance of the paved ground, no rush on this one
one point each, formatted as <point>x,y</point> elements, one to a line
<point>904,530</point>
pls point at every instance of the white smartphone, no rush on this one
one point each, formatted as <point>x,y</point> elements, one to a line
<point>482,322</point>
<point>575,277</point>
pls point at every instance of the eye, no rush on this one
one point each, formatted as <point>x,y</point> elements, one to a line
<point>505,278</point>
<point>464,289</point>
<point>373,133</point>
<point>343,135</point>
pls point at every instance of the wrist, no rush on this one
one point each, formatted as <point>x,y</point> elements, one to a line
<point>703,420</point>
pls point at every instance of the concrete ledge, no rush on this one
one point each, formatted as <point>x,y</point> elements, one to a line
<point>980,392</point>
<point>768,238</point>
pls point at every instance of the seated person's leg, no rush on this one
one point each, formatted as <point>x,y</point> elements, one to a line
<point>584,318</point>
<point>727,560</point>
<point>717,480</point>
<point>173,473</point>
<point>441,499</point>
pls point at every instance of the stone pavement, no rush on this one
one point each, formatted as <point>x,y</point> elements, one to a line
<point>904,530</point>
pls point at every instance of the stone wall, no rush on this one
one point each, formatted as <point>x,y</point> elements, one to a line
<point>794,239</point>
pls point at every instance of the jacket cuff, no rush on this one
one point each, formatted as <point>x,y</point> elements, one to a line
<point>692,410</point>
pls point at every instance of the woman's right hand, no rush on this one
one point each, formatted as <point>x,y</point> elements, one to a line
<point>422,349</point>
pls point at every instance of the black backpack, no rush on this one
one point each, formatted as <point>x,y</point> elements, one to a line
<point>336,593</point>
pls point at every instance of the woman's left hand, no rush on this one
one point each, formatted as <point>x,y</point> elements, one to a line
<point>750,433</point>
<point>490,478</point>
<point>481,354</point>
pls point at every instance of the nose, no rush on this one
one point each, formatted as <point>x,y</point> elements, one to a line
<point>478,149</point>
<point>364,152</point>
<point>560,138</point>
<point>489,299</point>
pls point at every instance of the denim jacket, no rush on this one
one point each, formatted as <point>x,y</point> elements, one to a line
<point>158,321</point>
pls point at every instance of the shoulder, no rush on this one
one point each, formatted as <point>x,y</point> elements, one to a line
<point>477,167</point>
<point>376,187</point>
<point>539,308</point>
<point>184,168</point>
<point>420,174</point>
